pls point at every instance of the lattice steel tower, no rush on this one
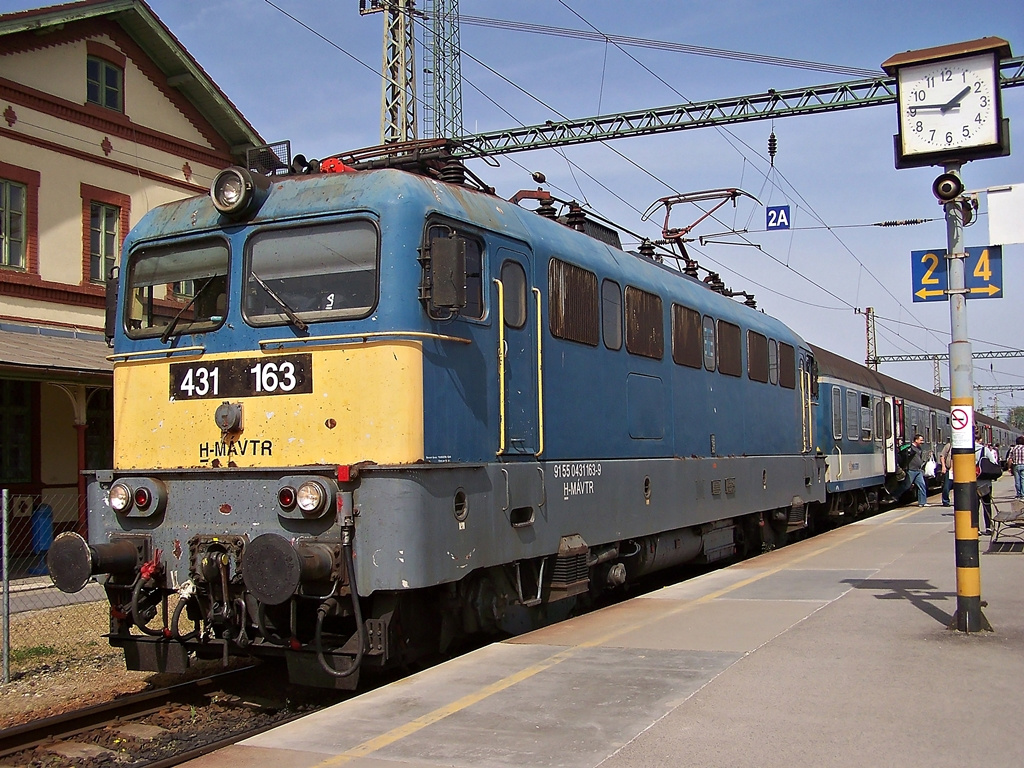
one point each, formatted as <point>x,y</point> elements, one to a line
<point>442,70</point>
<point>398,95</point>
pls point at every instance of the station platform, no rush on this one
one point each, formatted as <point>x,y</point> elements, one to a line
<point>829,652</point>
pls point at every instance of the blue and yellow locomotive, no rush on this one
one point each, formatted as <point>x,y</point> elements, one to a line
<point>361,414</point>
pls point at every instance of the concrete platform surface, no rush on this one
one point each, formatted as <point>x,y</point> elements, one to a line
<point>829,652</point>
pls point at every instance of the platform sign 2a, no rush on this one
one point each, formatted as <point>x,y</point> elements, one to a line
<point>983,273</point>
<point>777,217</point>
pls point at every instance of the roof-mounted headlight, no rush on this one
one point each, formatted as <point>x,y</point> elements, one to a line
<point>236,191</point>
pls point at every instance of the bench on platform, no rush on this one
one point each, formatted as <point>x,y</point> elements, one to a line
<point>1007,522</point>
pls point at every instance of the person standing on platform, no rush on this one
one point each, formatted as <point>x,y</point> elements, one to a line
<point>946,465</point>
<point>915,470</point>
<point>984,497</point>
<point>1015,463</point>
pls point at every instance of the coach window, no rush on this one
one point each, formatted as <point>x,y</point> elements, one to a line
<point>878,419</point>
<point>837,413</point>
<point>686,336</point>
<point>572,303</point>
<point>730,354</point>
<point>865,417</point>
<point>933,430</point>
<point>513,278</point>
<point>787,366</point>
<point>852,415</point>
<point>757,357</point>
<point>773,361</point>
<point>611,314</point>
<point>645,328</point>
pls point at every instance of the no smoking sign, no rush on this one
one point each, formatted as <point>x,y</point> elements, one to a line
<point>961,418</point>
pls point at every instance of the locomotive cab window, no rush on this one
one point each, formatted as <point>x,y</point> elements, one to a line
<point>324,272</point>
<point>152,309</point>
<point>473,248</point>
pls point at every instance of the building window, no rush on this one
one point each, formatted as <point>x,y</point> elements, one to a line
<point>104,83</point>
<point>12,223</point>
<point>103,239</point>
<point>105,221</point>
<point>15,431</point>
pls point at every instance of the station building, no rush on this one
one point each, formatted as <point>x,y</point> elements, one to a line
<point>103,115</point>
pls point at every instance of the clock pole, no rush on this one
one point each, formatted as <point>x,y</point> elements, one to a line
<point>950,113</point>
<point>968,616</point>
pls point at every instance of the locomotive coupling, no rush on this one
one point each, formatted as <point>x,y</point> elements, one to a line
<point>71,560</point>
<point>274,568</point>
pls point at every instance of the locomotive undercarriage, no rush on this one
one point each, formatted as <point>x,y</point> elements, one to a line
<point>429,572</point>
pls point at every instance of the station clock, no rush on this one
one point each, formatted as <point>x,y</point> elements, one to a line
<point>949,103</point>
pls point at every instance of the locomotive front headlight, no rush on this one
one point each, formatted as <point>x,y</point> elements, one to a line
<point>310,497</point>
<point>120,497</point>
<point>230,190</point>
<point>235,190</point>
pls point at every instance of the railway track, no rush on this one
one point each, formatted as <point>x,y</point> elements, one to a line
<point>164,727</point>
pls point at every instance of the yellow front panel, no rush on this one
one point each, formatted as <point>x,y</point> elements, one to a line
<point>366,405</point>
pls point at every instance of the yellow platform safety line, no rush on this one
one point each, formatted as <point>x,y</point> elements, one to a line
<point>407,729</point>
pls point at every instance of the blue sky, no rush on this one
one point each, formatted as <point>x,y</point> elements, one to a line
<point>835,170</point>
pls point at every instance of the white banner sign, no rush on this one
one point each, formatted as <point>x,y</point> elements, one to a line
<point>1006,215</point>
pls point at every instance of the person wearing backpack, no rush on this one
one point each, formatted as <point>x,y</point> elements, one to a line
<point>984,486</point>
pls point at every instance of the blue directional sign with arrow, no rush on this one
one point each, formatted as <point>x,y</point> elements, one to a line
<point>983,273</point>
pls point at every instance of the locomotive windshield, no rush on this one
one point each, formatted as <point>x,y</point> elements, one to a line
<point>176,289</point>
<point>310,274</point>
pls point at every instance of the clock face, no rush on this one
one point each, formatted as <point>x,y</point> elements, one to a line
<point>947,106</point>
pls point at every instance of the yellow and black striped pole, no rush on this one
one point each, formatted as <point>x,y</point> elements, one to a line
<point>968,616</point>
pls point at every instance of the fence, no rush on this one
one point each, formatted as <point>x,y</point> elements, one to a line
<point>42,625</point>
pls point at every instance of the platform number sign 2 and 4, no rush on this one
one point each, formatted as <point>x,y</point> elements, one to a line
<point>983,273</point>
<point>777,217</point>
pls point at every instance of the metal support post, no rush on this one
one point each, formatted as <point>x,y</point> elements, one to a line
<point>968,616</point>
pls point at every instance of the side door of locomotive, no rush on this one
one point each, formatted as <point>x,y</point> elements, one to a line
<point>518,321</point>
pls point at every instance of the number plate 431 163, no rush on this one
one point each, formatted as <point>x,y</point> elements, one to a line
<point>242,377</point>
